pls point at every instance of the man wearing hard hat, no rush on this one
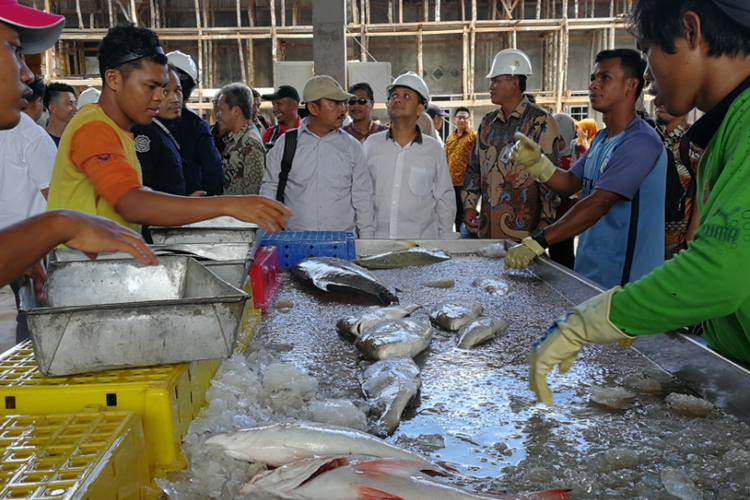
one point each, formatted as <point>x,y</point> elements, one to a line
<point>202,163</point>
<point>513,203</point>
<point>414,197</point>
<point>698,54</point>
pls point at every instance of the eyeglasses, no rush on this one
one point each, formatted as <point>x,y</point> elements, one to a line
<point>462,117</point>
<point>361,102</point>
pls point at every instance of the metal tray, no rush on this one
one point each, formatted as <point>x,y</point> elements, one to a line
<point>218,230</point>
<point>108,314</point>
<point>229,261</point>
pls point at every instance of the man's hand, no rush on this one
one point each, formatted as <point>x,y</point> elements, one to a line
<point>521,255</point>
<point>93,234</point>
<point>470,219</point>
<point>528,154</point>
<point>197,194</point>
<point>267,213</point>
<point>584,324</point>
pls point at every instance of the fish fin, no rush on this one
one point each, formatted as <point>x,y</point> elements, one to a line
<point>323,285</point>
<point>391,467</point>
<point>410,244</point>
<point>368,493</point>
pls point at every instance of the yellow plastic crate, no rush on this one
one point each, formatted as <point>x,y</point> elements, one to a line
<point>82,456</point>
<point>167,398</point>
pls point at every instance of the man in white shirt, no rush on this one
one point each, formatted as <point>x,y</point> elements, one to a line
<point>328,187</point>
<point>414,196</point>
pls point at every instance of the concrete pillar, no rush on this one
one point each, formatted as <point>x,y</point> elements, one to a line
<point>329,38</point>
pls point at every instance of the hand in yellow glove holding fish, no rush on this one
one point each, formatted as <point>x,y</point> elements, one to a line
<point>585,324</point>
<point>527,153</point>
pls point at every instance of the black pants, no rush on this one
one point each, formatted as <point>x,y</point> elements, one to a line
<point>22,327</point>
<point>459,208</point>
<point>563,253</point>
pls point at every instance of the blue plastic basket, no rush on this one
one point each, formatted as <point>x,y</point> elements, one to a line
<point>293,247</point>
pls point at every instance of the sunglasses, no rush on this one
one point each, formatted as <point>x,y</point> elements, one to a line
<point>361,102</point>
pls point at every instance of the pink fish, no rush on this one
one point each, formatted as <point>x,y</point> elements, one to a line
<point>369,478</point>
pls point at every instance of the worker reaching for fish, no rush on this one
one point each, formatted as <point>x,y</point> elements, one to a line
<point>620,219</point>
<point>24,30</point>
<point>97,170</point>
<point>699,56</point>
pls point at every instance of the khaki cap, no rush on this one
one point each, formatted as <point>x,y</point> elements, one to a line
<point>324,87</point>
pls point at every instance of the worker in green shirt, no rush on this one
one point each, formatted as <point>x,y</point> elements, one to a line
<point>699,57</point>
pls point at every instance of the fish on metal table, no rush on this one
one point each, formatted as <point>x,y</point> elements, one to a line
<point>493,286</point>
<point>391,384</point>
<point>453,315</point>
<point>279,443</point>
<point>440,283</point>
<point>354,325</point>
<point>415,256</point>
<point>395,338</point>
<point>368,478</point>
<point>336,275</point>
<point>480,330</point>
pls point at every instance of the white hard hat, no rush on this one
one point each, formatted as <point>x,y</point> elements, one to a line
<point>183,62</point>
<point>510,62</point>
<point>88,96</point>
<point>413,81</point>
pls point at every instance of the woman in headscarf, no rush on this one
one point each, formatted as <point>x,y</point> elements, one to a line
<point>586,130</point>
<point>570,151</point>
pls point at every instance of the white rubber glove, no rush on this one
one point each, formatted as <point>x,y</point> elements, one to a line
<point>584,324</point>
<point>528,153</point>
<point>520,256</point>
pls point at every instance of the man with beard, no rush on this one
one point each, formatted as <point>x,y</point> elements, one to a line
<point>326,182</point>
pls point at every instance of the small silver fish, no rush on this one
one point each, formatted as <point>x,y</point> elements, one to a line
<point>440,283</point>
<point>415,256</point>
<point>480,330</point>
<point>391,384</point>
<point>395,338</point>
<point>453,315</point>
<point>355,325</point>
<point>493,286</point>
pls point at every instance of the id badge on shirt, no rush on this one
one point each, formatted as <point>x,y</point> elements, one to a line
<point>505,156</point>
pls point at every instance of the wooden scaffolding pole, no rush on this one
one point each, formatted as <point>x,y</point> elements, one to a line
<point>251,61</point>
<point>522,10</point>
<point>200,50</point>
<point>592,9</point>
<point>242,61</point>
<point>251,17</point>
<point>425,11</point>
<point>463,11</point>
<point>437,11</point>
<point>563,69</point>
<point>274,39</point>
<point>472,47</point>
<point>538,9</point>
<point>80,16</point>
<point>112,13</point>
<point>157,13</point>
<point>400,11</point>
<point>390,11</point>
<point>367,12</point>
<point>363,32</point>
<point>282,12</point>
<point>420,66</point>
<point>355,11</point>
<point>49,70</point>
<point>133,12</point>
<point>152,11</point>
<point>465,65</point>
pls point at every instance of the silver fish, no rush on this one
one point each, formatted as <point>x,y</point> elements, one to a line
<point>493,286</point>
<point>279,443</point>
<point>391,384</point>
<point>336,275</point>
<point>355,325</point>
<point>480,330</point>
<point>395,338</point>
<point>416,256</point>
<point>368,478</point>
<point>440,283</point>
<point>453,315</point>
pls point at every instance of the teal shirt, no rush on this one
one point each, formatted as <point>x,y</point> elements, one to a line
<point>710,281</point>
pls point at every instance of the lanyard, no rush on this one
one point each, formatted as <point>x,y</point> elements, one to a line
<point>166,131</point>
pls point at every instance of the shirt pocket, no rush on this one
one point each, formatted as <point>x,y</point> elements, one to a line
<point>14,183</point>
<point>420,181</point>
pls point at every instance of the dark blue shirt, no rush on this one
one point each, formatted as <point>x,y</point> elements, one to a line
<point>160,160</point>
<point>203,166</point>
<point>56,139</point>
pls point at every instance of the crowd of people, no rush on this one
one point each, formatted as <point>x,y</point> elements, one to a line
<point>630,194</point>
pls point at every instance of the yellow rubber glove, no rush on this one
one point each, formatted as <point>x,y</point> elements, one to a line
<point>520,256</point>
<point>527,153</point>
<point>584,324</point>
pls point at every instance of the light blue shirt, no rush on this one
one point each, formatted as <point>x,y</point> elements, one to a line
<point>628,242</point>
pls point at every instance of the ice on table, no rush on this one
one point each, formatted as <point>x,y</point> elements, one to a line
<point>689,404</point>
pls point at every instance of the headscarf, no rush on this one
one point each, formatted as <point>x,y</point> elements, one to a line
<point>589,126</point>
<point>566,127</point>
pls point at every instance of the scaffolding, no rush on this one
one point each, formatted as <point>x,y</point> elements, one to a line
<point>245,26</point>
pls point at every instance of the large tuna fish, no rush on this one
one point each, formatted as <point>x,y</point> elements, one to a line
<point>279,443</point>
<point>480,330</point>
<point>336,275</point>
<point>368,478</point>
<point>391,384</point>
<point>416,256</point>
<point>395,338</point>
<point>355,325</point>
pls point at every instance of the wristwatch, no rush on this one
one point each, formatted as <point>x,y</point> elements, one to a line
<point>540,236</point>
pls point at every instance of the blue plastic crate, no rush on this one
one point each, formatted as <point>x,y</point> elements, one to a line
<point>296,246</point>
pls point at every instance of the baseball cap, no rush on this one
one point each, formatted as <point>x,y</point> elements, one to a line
<point>38,30</point>
<point>434,110</point>
<point>324,87</point>
<point>281,92</point>
<point>738,10</point>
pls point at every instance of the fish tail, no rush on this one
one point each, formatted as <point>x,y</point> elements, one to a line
<point>368,493</point>
<point>390,467</point>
